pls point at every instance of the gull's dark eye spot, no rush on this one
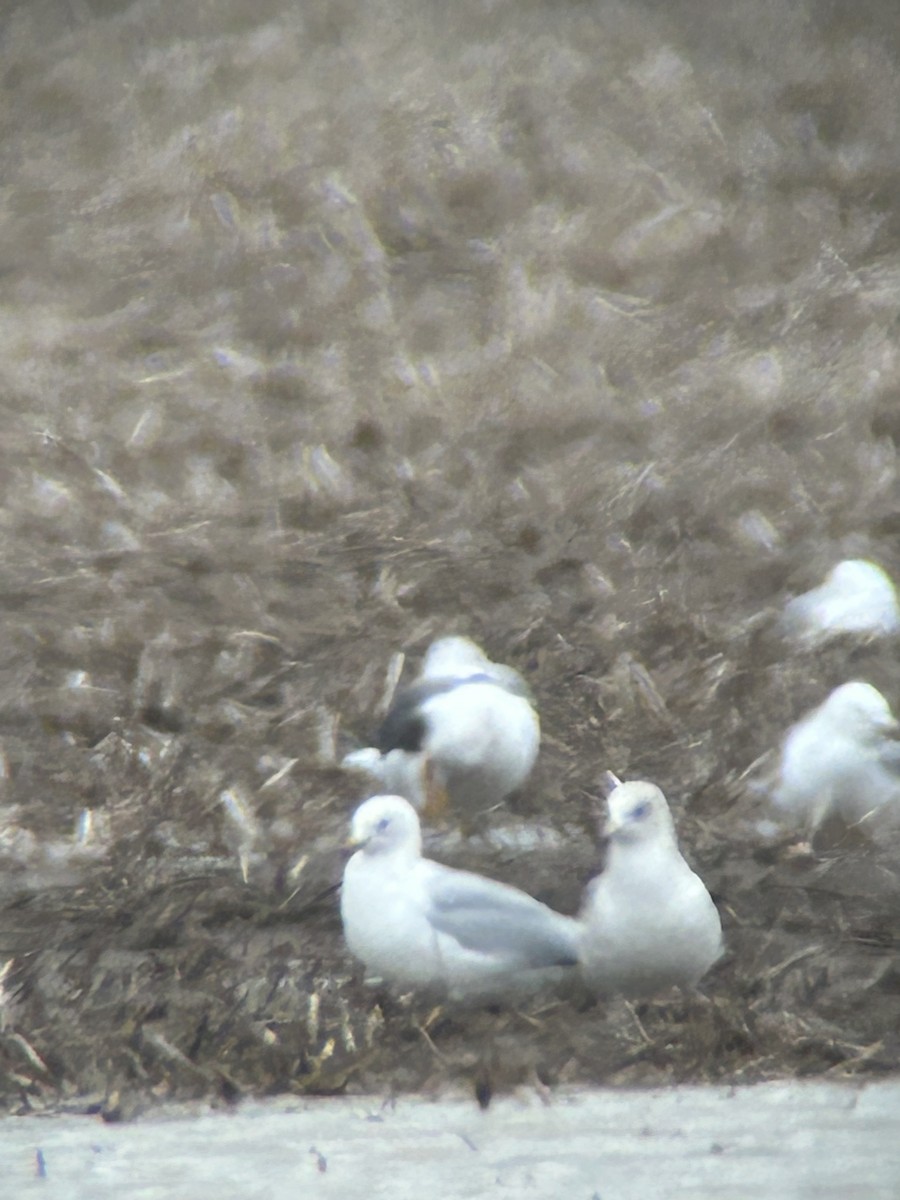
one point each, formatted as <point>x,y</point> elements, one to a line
<point>640,811</point>
<point>382,824</point>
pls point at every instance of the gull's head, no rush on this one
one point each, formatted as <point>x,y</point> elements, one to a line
<point>384,824</point>
<point>856,597</point>
<point>859,577</point>
<point>858,710</point>
<point>453,656</point>
<point>638,812</point>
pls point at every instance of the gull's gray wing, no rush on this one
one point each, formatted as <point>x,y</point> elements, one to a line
<point>511,681</point>
<point>491,918</point>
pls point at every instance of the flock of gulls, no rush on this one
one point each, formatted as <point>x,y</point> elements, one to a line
<point>465,735</point>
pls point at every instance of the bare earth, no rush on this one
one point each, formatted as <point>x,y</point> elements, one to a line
<point>329,328</point>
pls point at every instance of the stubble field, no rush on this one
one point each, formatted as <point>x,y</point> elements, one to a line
<point>331,328</point>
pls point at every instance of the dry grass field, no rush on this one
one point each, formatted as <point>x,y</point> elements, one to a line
<point>330,327</point>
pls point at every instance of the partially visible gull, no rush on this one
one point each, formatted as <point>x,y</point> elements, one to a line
<point>464,734</point>
<point>842,760</point>
<point>418,924</point>
<point>856,597</point>
<point>648,922</point>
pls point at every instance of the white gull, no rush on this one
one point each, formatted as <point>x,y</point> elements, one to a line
<point>465,734</point>
<point>842,760</point>
<point>417,924</point>
<point>648,921</point>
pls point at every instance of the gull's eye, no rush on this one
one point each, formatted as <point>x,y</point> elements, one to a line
<point>640,811</point>
<point>382,824</point>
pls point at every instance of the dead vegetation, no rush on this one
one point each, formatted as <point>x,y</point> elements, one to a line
<point>328,330</point>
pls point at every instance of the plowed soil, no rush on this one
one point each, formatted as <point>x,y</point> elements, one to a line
<point>332,328</point>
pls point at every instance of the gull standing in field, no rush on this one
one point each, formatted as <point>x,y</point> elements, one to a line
<point>842,760</point>
<point>465,734</point>
<point>648,922</point>
<point>856,597</point>
<point>418,924</point>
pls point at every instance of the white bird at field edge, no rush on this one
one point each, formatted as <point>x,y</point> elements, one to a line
<point>842,760</point>
<point>465,734</point>
<point>648,922</point>
<point>857,597</point>
<point>417,924</point>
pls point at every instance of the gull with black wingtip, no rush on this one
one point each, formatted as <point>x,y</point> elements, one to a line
<point>464,735</point>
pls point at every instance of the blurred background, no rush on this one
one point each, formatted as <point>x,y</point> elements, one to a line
<point>328,328</point>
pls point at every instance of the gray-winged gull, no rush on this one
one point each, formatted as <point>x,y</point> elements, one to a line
<point>842,759</point>
<point>418,924</point>
<point>857,597</point>
<point>648,922</point>
<point>465,733</point>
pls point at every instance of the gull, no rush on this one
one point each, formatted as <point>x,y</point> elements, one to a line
<point>856,597</point>
<point>648,922</point>
<point>464,734</point>
<point>417,924</point>
<point>842,760</point>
